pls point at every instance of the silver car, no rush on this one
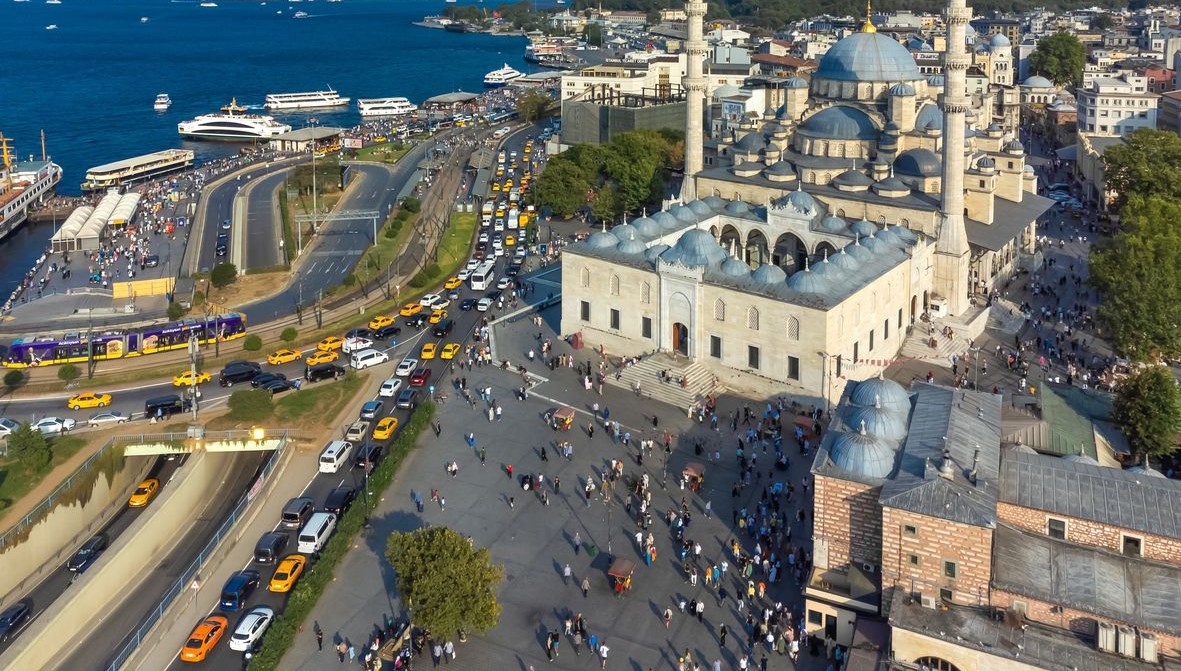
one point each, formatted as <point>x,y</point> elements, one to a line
<point>54,425</point>
<point>107,417</point>
<point>7,426</point>
<point>251,628</point>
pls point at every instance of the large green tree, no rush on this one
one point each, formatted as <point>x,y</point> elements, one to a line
<point>448,582</point>
<point>30,448</point>
<point>563,186</point>
<point>1139,272</point>
<point>1147,409</point>
<point>1147,163</point>
<point>533,105</point>
<point>1059,58</point>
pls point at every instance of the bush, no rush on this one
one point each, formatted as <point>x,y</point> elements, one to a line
<point>175,311</point>
<point>14,379</point>
<point>198,298</point>
<point>349,280</point>
<point>68,373</point>
<point>289,335</point>
<point>419,281</point>
<point>251,405</point>
<point>223,275</point>
<point>402,215</point>
<point>30,447</point>
<point>252,343</point>
<point>411,204</point>
<point>392,229</point>
<point>286,625</point>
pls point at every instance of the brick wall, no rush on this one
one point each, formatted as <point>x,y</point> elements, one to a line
<point>848,517</point>
<point>933,542</point>
<point>1091,533</point>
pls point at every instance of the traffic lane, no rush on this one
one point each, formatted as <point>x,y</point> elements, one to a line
<point>219,206</point>
<point>46,593</point>
<point>263,232</point>
<point>96,650</point>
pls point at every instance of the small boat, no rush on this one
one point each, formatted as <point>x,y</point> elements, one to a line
<point>163,102</point>
<point>208,4</point>
<point>53,2</point>
<point>52,26</point>
<point>143,19</point>
<point>299,15</point>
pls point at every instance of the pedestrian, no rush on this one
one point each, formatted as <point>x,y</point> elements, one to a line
<point>566,574</point>
<point>557,485</point>
<point>577,542</point>
<point>508,470</point>
<point>603,650</point>
<point>483,456</point>
<point>352,653</point>
<point>319,638</point>
<point>590,430</point>
<point>668,618</point>
<point>341,650</point>
<point>512,503</point>
<point>585,586</point>
<point>436,653</point>
<point>701,611</point>
<point>449,651</point>
<point>722,635</point>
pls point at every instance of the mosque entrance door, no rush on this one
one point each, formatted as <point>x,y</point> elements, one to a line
<point>681,339</point>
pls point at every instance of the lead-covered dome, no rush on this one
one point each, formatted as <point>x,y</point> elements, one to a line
<point>808,282</point>
<point>646,227</point>
<point>737,207</point>
<point>700,208</point>
<point>919,162</point>
<point>655,251</point>
<point>698,248</point>
<point>632,246</point>
<point>768,274</point>
<point>833,224</point>
<point>799,200</point>
<point>1038,82</point>
<point>863,227</point>
<point>879,390</point>
<point>878,421</point>
<point>795,83</point>
<point>841,123</point>
<point>602,240</point>
<point>732,267</point>
<point>667,221</point>
<point>715,202</point>
<point>868,57</point>
<point>862,454</point>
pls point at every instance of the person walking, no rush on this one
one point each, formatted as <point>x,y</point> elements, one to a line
<point>668,618</point>
<point>722,635</point>
<point>341,650</point>
<point>319,638</point>
<point>585,586</point>
<point>448,651</point>
<point>436,653</point>
<point>566,574</point>
<point>603,650</point>
<point>577,542</point>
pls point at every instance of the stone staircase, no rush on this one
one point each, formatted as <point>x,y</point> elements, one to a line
<point>966,327</point>
<point>646,373</point>
<point>1005,316</point>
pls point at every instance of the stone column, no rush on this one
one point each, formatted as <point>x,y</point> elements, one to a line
<point>951,247</point>
<point>695,85</point>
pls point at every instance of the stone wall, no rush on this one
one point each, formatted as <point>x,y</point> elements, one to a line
<point>916,547</point>
<point>847,516</point>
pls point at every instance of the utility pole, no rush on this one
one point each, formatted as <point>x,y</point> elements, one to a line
<point>193,347</point>
<point>315,206</point>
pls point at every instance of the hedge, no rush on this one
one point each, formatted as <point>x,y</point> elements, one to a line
<point>282,632</point>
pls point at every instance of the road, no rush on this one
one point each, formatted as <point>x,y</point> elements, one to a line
<point>263,232</point>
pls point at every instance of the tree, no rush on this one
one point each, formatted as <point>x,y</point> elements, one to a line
<point>1148,163</point>
<point>1139,272</point>
<point>411,204</point>
<point>563,186</point>
<point>14,379</point>
<point>606,205</point>
<point>593,34</point>
<point>1102,22</point>
<point>533,105</point>
<point>289,335</point>
<point>175,311</point>
<point>1059,58</point>
<point>1147,408</point>
<point>252,343</point>
<point>223,275</point>
<point>449,582</point>
<point>30,447</point>
<point>68,373</point>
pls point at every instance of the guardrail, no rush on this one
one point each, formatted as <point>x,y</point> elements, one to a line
<point>190,573</point>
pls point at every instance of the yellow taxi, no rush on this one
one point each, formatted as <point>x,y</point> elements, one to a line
<point>284,356</point>
<point>380,321</point>
<point>437,316</point>
<point>187,379</point>
<point>321,356</point>
<point>500,171</point>
<point>204,638</point>
<point>286,573</point>
<point>508,184</point>
<point>379,139</point>
<point>410,309</point>
<point>449,350</point>
<point>385,428</point>
<point>500,211</point>
<point>528,174</point>
<point>330,344</point>
<point>88,399</point>
<point>453,283</point>
<point>428,351</point>
<point>495,186</point>
<point>510,240</point>
<point>143,493</point>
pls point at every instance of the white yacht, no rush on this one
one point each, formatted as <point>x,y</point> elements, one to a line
<point>300,15</point>
<point>232,124</point>
<point>309,100</point>
<point>208,4</point>
<point>502,76</point>
<point>163,102</point>
<point>371,107</point>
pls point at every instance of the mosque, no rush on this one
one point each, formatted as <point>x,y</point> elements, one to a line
<point>819,233</point>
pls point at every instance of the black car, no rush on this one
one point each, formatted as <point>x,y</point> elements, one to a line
<point>265,378</point>
<point>278,386</point>
<point>221,249</point>
<point>87,554</point>
<point>13,619</point>
<point>359,333</point>
<point>237,372</point>
<point>323,371</point>
<point>237,589</point>
<point>339,500</point>
<point>467,304</point>
<point>370,453</point>
<point>151,261</point>
<point>408,399</point>
<point>493,295</point>
<point>513,270</point>
<point>417,321</point>
<point>386,332</point>
<point>270,547</point>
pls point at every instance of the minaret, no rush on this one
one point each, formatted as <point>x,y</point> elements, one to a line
<point>694,83</point>
<point>951,248</point>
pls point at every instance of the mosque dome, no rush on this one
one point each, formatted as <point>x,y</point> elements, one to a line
<point>747,168</point>
<point>928,115</point>
<point>863,227</point>
<point>840,123</point>
<point>751,143</point>
<point>782,114</point>
<point>857,250</point>
<point>868,57</point>
<point>999,41</point>
<point>892,127</point>
<point>862,454</point>
<point>902,89</point>
<point>825,269</point>
<point>773,128</point>
<point>834,224</point>
<point>1080,459</point>
<point>698,248</point>
<point>935,80</point>
<point>799,200</point>
<point>795,83</point>
<point>892,186</point>
<point>876,243</point>
<point>879,422</point>
<point>715,202</point>
<point>724,91</point>
<point>1146,470</point>
<point>904,234</point>
<point>1015,147</point>
<point>844,261</point>
<point>1038,82</point>
<point>768,274</point>
<point>986,163</point>
<point>880,391</point>
<point>853,178</point>
<point>683,214</point>
<point>602,240</point>
<point>808,282</point>
<point>667,221</point>
<point>646,227</point>
<point>737,207</point>
<point>632,246</point>
<point>888,235</point>
<point>732,267</point>
<point>700,208</point>
<point>655,251</point>
<point>920,162</point>
<point>625,232</point>
<point>780,171</point>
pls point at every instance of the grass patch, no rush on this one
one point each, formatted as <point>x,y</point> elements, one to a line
<point>17,480</point>
<point>452,251</point>
<point>315,402</point>
<point>313,583</point>
<point>378,257</point>
<point>386,152</point>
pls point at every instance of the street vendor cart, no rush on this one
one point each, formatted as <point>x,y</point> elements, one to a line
<point>620,574</point>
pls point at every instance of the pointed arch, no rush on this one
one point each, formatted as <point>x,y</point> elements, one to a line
<point>793,327</point>
<point>584,277</point>
<point>646,293</point>
<point>720,310</point>
<point>613,284</point>
<point>752,318</point>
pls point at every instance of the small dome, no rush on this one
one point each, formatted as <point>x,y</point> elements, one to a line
<point>747,168</point>
<point>715,202</point>
<point>999,40</point>
<point>808,282</point>
<point>880,391</point>
<point>892,186</point>
<point>920,162</point>
<point>858,251</point>
<point>862,454</point>
<point>780,169</point>
<point>602,240</point>
<point>879,422</point>
<point>632,246</point>
<point>683,214</point>
<point>868,57</point>
<point>935,80</point>
<point>904,234</point>
<point>782,114</point>
<point>795,83</point>
<point>929,115</point>
<point>646,227</point>
<point>732,267</point>
<point>986,163</point>
<point>841,123</point>
<point>625,232</point>
<point>826,269</point>
<point>1146,470</point>
<point>892,127</point>
<point>751,143</point>
<point>1080,459</point>
<point>1038,82</point>
<point>1015,147</point>
<point>833,224</point>
<point>655,251</point>
<point>863,227</point>
<point>768,274</point>
<point>724,91</point>
<point>853,178</point>
<point>773,128</point>
<point>902,89</point>
<point>799,200</point>
<point>876,243</point>
<point>698,248</point>
<point>737,207</point>
<point>667,221</point>
<point>700,208</point>
<point>992,128</point>
<point>844,261</point>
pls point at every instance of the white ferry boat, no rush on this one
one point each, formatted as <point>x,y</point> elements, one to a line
<point>232,124</point>
<point>371,107</point>
<point>137,169</point>
<point>309,100</point>
<point>501,77</point>
<point>163,102</point>
<point>22,185</point>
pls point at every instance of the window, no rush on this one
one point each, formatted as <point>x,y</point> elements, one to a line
<point>950,569</point>
<point>645,293</point>
<point>871,340</point>
<point>935,664</point>
<point>885,329</point>
<point>946,595</point>
<point>914,560</point>
<point>981,184</point>
<point>720,310</point>
<point>793,328</point>
<point>1133,546</point>
<point>840,361</point>
<point>645,327</point>
<point>910,530</point>
<point>584,310</point>
<point>793,368</point>
<point>856,352</point>
<point>752,318</point>
<point>585,277</point>
<point>814,617</point>
<point>615,318</point>
<point>1056,528</point>
<point>614,285</point>
<point>899,317</point>
<point>715,347</point>
<point>752,357</point>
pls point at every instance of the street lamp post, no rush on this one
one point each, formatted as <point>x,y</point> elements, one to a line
<point>193,346</point>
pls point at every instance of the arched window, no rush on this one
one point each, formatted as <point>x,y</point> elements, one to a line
<point>841,213</point>
<point>720,310</point>
<point>793,328</point>
<point>935,664</point>
<point>645,293</point>
<point>882,219</point>
<point>614,285</point>
<point>752,318</point>
<point>585,277</point>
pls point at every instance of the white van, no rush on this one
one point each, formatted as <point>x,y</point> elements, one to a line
<point>315,533</point>
<point>367,357</point>
<point>337,453</point>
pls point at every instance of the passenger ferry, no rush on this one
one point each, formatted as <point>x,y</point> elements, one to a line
<point>309,100</point>
<point>502,76</point>
<point>137,169</point>
<point>22,185</point>
<point>371,107</point>
<point>163,102</point>
<point>232,124</point>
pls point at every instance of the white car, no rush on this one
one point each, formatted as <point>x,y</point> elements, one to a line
<point>7,426</point>
<point>390,387</point>
<point>519,255</point>
<point>497,250</point>
<point>483,236</point>
<point>472,264</point>
<point>52,425</point>
<point>441,303</point>
<point>429,300</point>
<point>406,367</point>
<point>483,304</point>
<point>368,357</point>
<point>107,417</point>
<point>503,282</point>
<point>356,344</point>
<point>463,274</point>
<point>499,226</point>
<point>251,628</point>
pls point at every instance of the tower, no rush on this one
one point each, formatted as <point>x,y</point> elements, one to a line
<point>694,83</point>
<point>951,247</point>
